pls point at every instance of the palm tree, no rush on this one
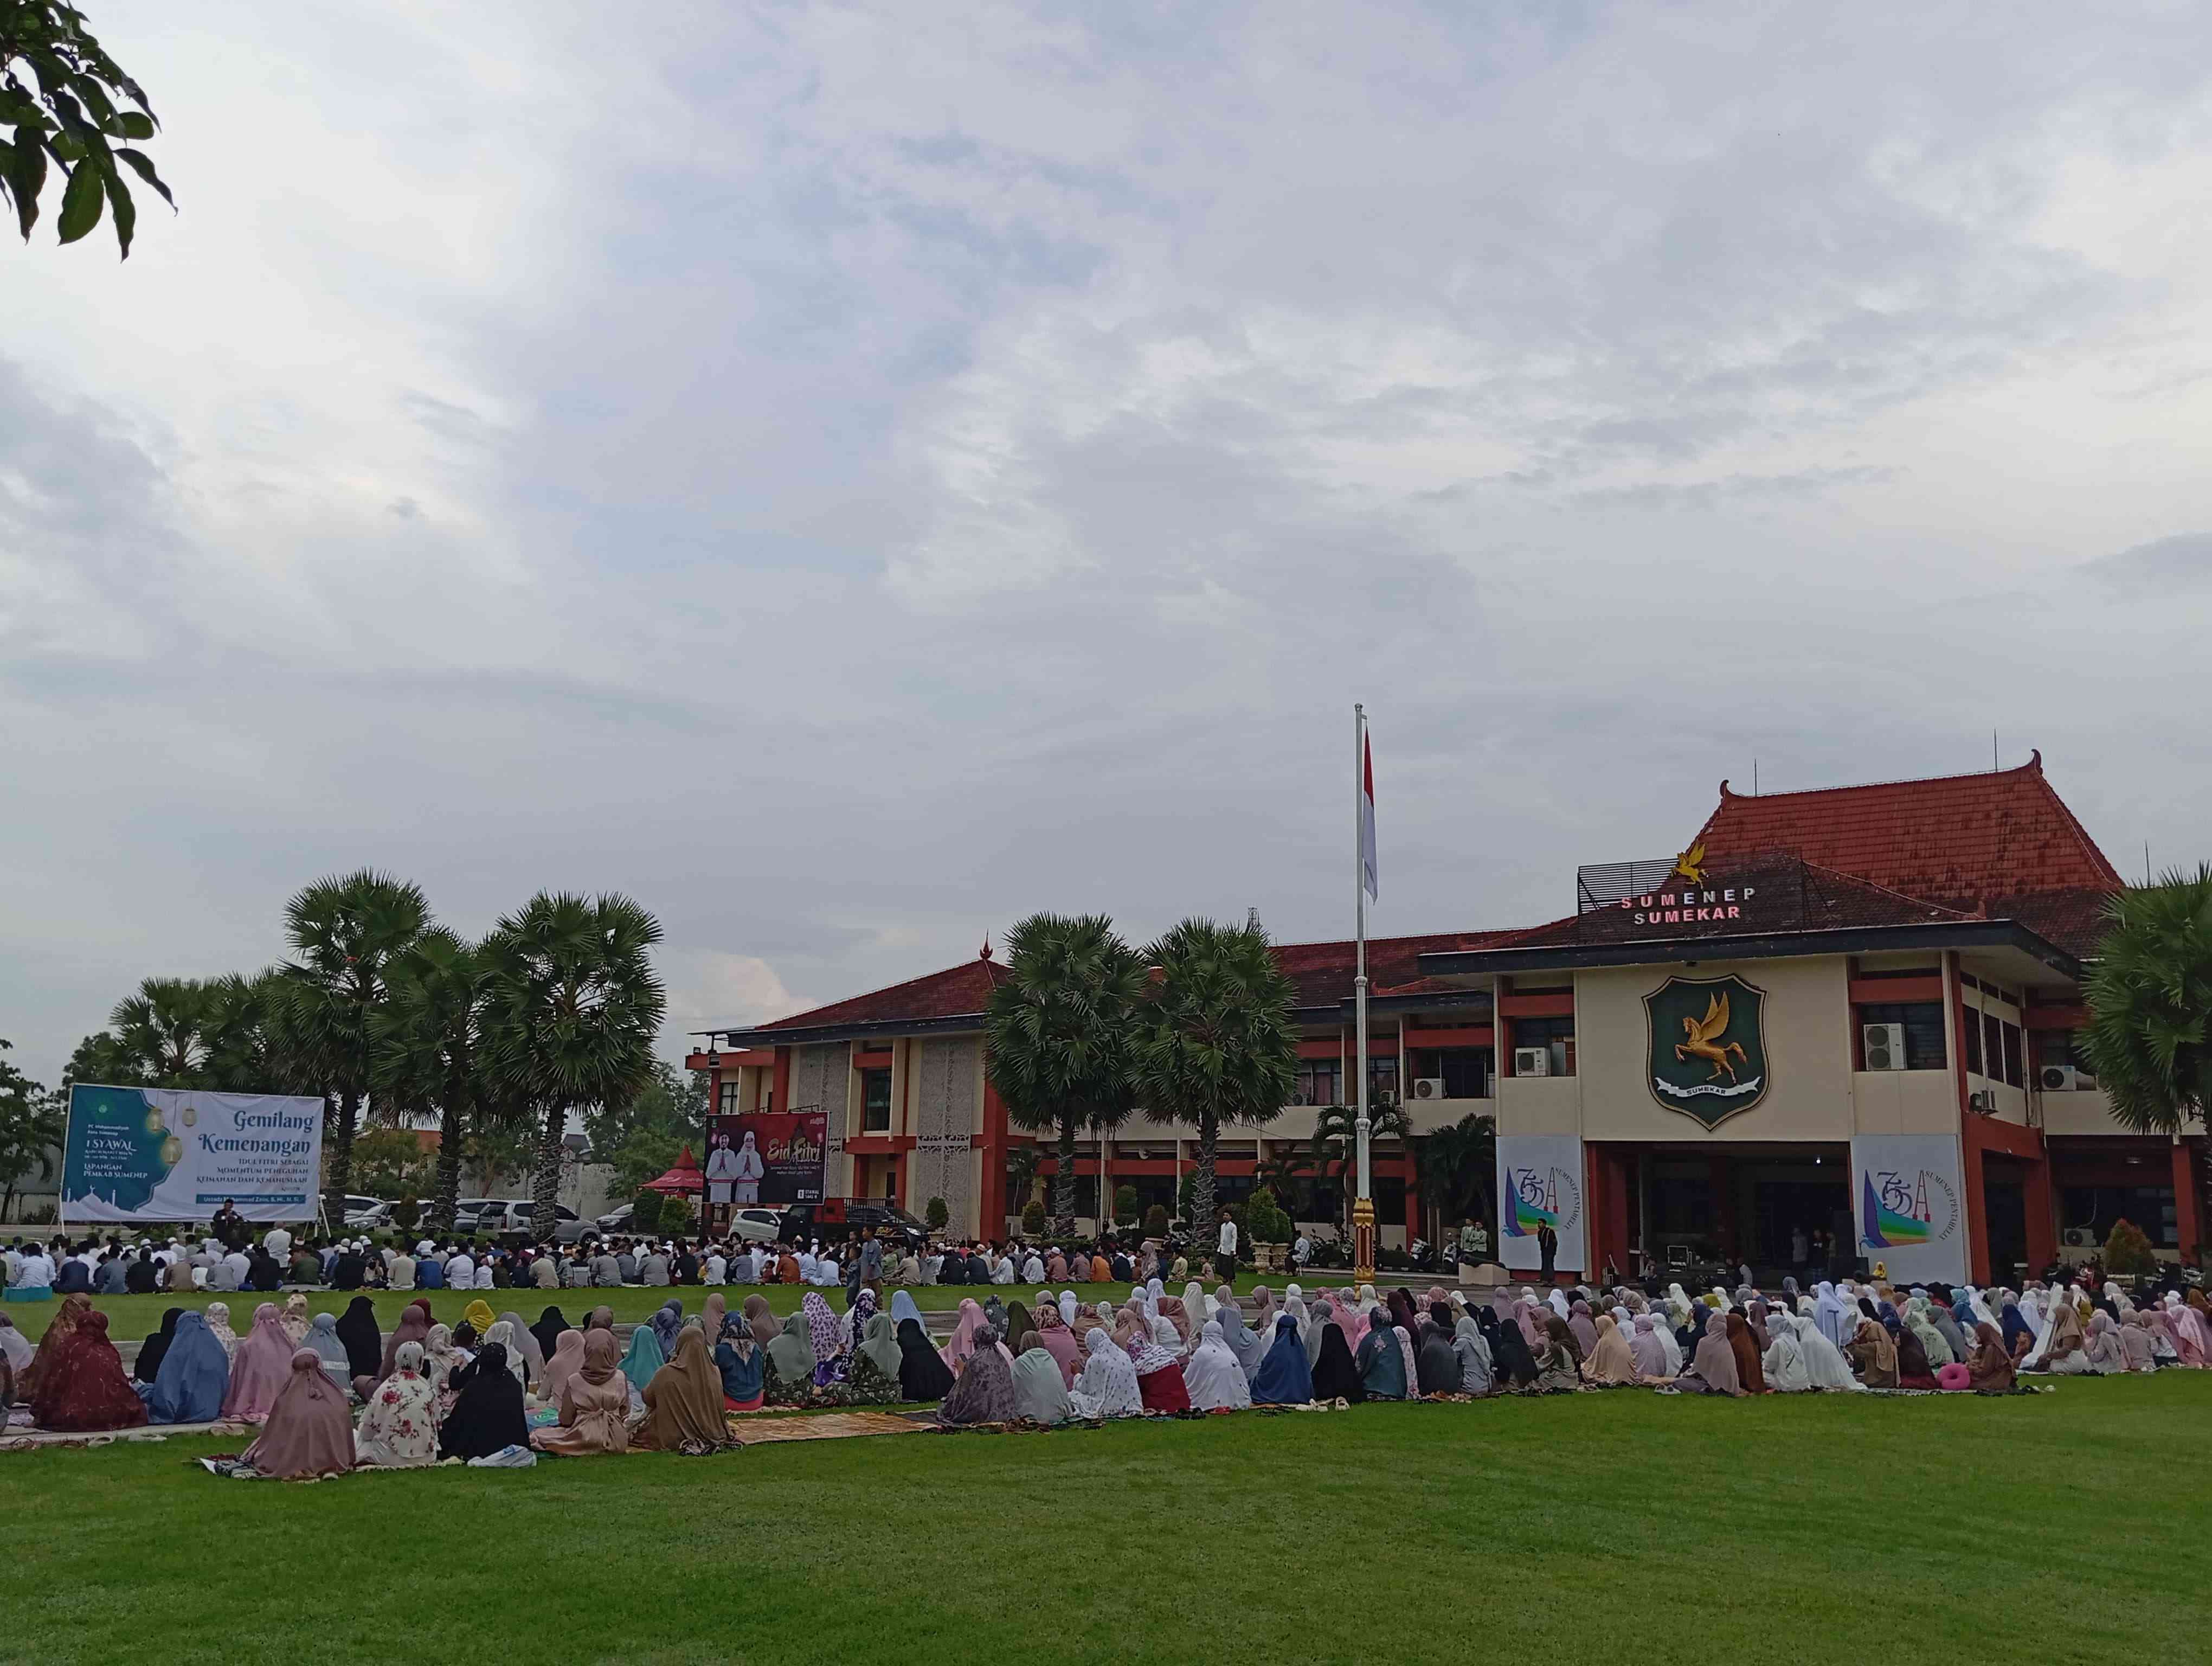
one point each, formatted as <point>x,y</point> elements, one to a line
<point>1334,1146</point>
<point>1057,1033</point>
<point>251,1044</point>
<point>164,1029</point>
<point>1215,1039</point>
<point>346,933</point>
<point>2150,993</point>
<point>426,1047</point>
<point>1456,1165</point>
<point>573,1009</point>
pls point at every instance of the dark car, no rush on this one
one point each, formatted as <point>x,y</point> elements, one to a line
<point>840,1217</point>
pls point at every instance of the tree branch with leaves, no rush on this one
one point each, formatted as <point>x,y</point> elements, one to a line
<point>70,111</point>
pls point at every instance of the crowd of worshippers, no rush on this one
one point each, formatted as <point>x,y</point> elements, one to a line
<point>230,1260</point>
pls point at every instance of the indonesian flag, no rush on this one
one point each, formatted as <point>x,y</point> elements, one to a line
<point>1367,815</point>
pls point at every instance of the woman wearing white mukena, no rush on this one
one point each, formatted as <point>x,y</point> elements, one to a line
<point>748,1172</point>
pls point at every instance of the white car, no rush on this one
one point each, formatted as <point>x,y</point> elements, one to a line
<point>367,1212</point>
<point>757,1225</point>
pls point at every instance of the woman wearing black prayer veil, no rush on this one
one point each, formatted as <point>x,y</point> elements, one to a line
<point>362,1340</point>
<point>488,1416</point>
<point>1509,1352</point>
<point>923,1374</point>
<point>1334,1376</point>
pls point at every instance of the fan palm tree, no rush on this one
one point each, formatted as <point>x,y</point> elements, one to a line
<point>1334,1146</point>
<point>164,1028</point>
<point>426,1047</point>
<point>1216,1041</point>
<point>346,933</point>
<point>251,1044</point>
<point>2149,994</point>
<point>571,1013</point>
<point>1057,1033</point>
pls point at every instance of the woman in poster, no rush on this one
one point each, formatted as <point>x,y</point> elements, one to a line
<point>747,1172</point>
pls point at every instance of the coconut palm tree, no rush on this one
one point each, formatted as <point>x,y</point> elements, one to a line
<point>2150,993</point>
<point>1456,1163</point>
<point>164,1028</point>
<point>346,933</point>
<point>572,1010</point>
<point>1216,1041</point>
<point>426,1047</point>
<point>1057,1033</point>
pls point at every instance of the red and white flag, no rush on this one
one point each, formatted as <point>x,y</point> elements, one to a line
<point>1367,815</point>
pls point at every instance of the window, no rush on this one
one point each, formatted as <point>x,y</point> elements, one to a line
<point>1972,1030</point>
<point>1319,1082</point>
<point>1464,1070</point>
<point>875,1101</point>
<point>2015,1071</point>
<point>2060,1047</point>
<point>1924,1029</point>
<point>1993,1047</point>
<point>1382,1080</point>
<point>1555,1035</point>
<point>2094,1208</point>
<point>729,1103</point>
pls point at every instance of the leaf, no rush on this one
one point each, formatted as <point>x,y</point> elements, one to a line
<point>142,165</point>
<point>134,125</point>
<point>124,211</point>
<point>80,201</point>
<point>26,174</point>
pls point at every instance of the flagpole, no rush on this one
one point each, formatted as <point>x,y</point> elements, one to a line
<point>1362,1203</point>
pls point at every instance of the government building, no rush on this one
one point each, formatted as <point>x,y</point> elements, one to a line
<point>1844,1017</point>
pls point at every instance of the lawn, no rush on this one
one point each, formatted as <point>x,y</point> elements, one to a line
<point>1600,1526</point>
<point>139,1317</point>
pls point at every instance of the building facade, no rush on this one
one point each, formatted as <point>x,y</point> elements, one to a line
<point>1850,1014</point>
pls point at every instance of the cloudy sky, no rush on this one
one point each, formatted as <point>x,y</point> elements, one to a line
<point>848,476</point>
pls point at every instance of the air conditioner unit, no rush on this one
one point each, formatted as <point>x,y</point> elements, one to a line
<point>2064,1078</point>
<point>1428,1087</point>
<point>1984,1099</point>
<point>1885,1046</point>
<point>1532,1061</point>
<point>2079,1238</point>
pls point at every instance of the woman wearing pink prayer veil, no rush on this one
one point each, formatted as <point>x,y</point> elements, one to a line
<point>259,1367</point>
<point>962,1342</point>
<point>310,1431</point>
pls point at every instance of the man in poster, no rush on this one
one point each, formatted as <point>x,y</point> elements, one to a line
<point>721,1170</point>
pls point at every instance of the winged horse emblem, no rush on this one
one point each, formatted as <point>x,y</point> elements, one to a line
<point>1704,1039</point>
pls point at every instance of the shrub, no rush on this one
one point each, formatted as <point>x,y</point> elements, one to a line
<point>645,1209</point>
<point>2128,1251</point>
<point>405,1213</point>
<point>1033,1218</point>
<point>1155,1220</point>
<point>1264,1220</point>
<point>935,1215</point>
<point>1125,1206</point>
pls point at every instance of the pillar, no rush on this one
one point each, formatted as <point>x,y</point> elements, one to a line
<point>992,1193</point>
<point>2188,1226</point>
<point>2042,1213</point>
<point>780,1095</point>
<point>1971,1167</point>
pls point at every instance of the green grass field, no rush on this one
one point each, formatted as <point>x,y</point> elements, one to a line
<point>138,1316</point>
<point>2059,1528</point>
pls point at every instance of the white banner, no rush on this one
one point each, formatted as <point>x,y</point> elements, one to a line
<point>158,1153</point>
<point>1910,1206</point>
<point>1539,1180</point>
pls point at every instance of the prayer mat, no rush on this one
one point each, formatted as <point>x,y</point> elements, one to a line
<point>830,1426</point>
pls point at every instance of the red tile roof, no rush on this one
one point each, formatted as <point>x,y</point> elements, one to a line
<point>1324,972</point>
<point>1958,840</point>
<point>956,992</point>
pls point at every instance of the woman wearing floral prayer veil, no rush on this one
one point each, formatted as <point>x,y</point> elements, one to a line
<point>985,1390</point>
<point>487,1417</point>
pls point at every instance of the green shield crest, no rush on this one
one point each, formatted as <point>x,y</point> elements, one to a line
<point>1706,1041</point>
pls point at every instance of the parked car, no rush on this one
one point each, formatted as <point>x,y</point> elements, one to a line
<point>510,1224</point>
<point>367,1212</point>
<point>840,1215</point>
<point>467,1210</point>
<point>616,1220</point>
<point>757,1225</point>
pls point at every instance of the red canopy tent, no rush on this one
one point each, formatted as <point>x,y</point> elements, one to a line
<point>684,1176</point>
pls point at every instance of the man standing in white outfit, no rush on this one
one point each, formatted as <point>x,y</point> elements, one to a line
<point>1225,1255</point>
